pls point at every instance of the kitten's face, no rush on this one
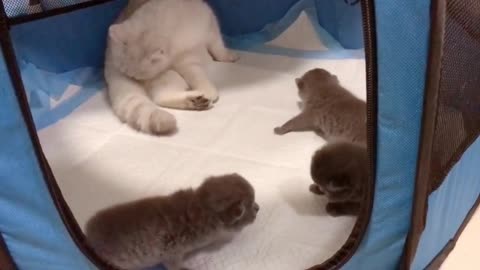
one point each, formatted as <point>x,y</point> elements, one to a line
<point>311,81</point>
<point>232,199</point>
<point>334,171</point>
<point>301,88</point>
<point>136,53</point>
<point>336,187</point>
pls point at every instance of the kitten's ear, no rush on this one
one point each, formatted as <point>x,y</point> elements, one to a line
<point>117,32</point>
<point>227,209</point>
<point>234,213</point>
<point>335,78</point>
<point>299,83</point>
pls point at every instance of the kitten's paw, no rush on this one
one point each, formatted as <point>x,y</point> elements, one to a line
<point>315,189</point>
<point>228,57</point>
<point>279,131</point>
<point>300,105</point>
<point>334,209</point>
<point>198,102</point>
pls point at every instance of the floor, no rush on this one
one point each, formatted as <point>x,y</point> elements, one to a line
<point>465,256</point>
<point>99,162</point>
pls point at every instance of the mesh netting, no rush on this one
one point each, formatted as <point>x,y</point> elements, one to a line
<point>458,112</point>
<point>16,8</point>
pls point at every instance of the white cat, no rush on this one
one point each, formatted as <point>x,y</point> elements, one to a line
<point>155,56</point>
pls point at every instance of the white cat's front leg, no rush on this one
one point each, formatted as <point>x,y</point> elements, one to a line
<point>197,79</point>
<point>216,46</point>
<point>182,100</point>
<point>169,90</point>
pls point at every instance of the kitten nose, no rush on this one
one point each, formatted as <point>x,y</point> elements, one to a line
<point>256,207</point>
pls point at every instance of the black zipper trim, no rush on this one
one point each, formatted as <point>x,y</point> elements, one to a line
<point>349,248</point>
<point>54,12</point>
<point>6,260</point>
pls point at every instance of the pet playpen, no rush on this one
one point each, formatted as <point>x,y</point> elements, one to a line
<point>423,78</point>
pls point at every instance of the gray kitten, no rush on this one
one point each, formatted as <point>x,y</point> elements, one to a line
<point>328,109</point>
<point>165,229</point>
<point>340,171</point>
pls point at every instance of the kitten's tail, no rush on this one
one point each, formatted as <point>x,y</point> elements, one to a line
<point>132,106</point>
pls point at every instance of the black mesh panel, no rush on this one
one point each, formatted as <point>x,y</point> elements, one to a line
<point>15,8</point>
<point>457,121</point>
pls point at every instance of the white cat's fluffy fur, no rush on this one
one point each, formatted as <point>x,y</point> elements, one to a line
<point>155,56</point>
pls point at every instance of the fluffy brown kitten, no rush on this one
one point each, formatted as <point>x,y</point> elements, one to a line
<point>340,171</point>
<point>328,109</point>
<point>165,229</point>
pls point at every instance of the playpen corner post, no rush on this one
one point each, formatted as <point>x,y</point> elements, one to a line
<point>422,183</point>
<point>3,19</point>
<point>6,260</point>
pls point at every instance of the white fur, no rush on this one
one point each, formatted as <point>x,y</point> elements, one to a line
<point>155,56</point>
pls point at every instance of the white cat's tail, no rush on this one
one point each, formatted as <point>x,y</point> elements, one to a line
<point>131,104</point>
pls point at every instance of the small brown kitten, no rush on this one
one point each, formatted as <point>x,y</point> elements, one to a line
<point>165,229</point>
<point>340,171</point>
<point>328,109</point>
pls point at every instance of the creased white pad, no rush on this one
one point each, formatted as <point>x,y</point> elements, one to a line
<point>99,162</point>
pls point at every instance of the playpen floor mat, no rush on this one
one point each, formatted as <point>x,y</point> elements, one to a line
<point>99,161</point>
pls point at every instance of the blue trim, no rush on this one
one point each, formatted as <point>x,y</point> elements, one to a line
<point>340,19</point>
<point>449,205</point>
<point>79,39</point>
<point>402,53</point>
<point>269,31</point>
<point>327,39</point>
<point>42,86</point>
<point>255,42</point>
<point>29,222</point>
<point>64,109</point>
<point>330,54</point>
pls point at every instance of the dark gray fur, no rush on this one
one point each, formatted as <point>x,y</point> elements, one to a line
<point>165,229</point>
<point>340,172</point>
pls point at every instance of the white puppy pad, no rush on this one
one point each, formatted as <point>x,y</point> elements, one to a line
<point>99,162</point>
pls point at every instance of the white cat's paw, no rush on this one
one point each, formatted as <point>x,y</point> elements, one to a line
<point>210,94</point>
<point>198,102</point>
<point>162,122</point>
<point>228,57</point>
<point>150,119</point>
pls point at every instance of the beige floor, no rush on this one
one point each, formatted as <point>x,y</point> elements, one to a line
<point>465,256</point>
